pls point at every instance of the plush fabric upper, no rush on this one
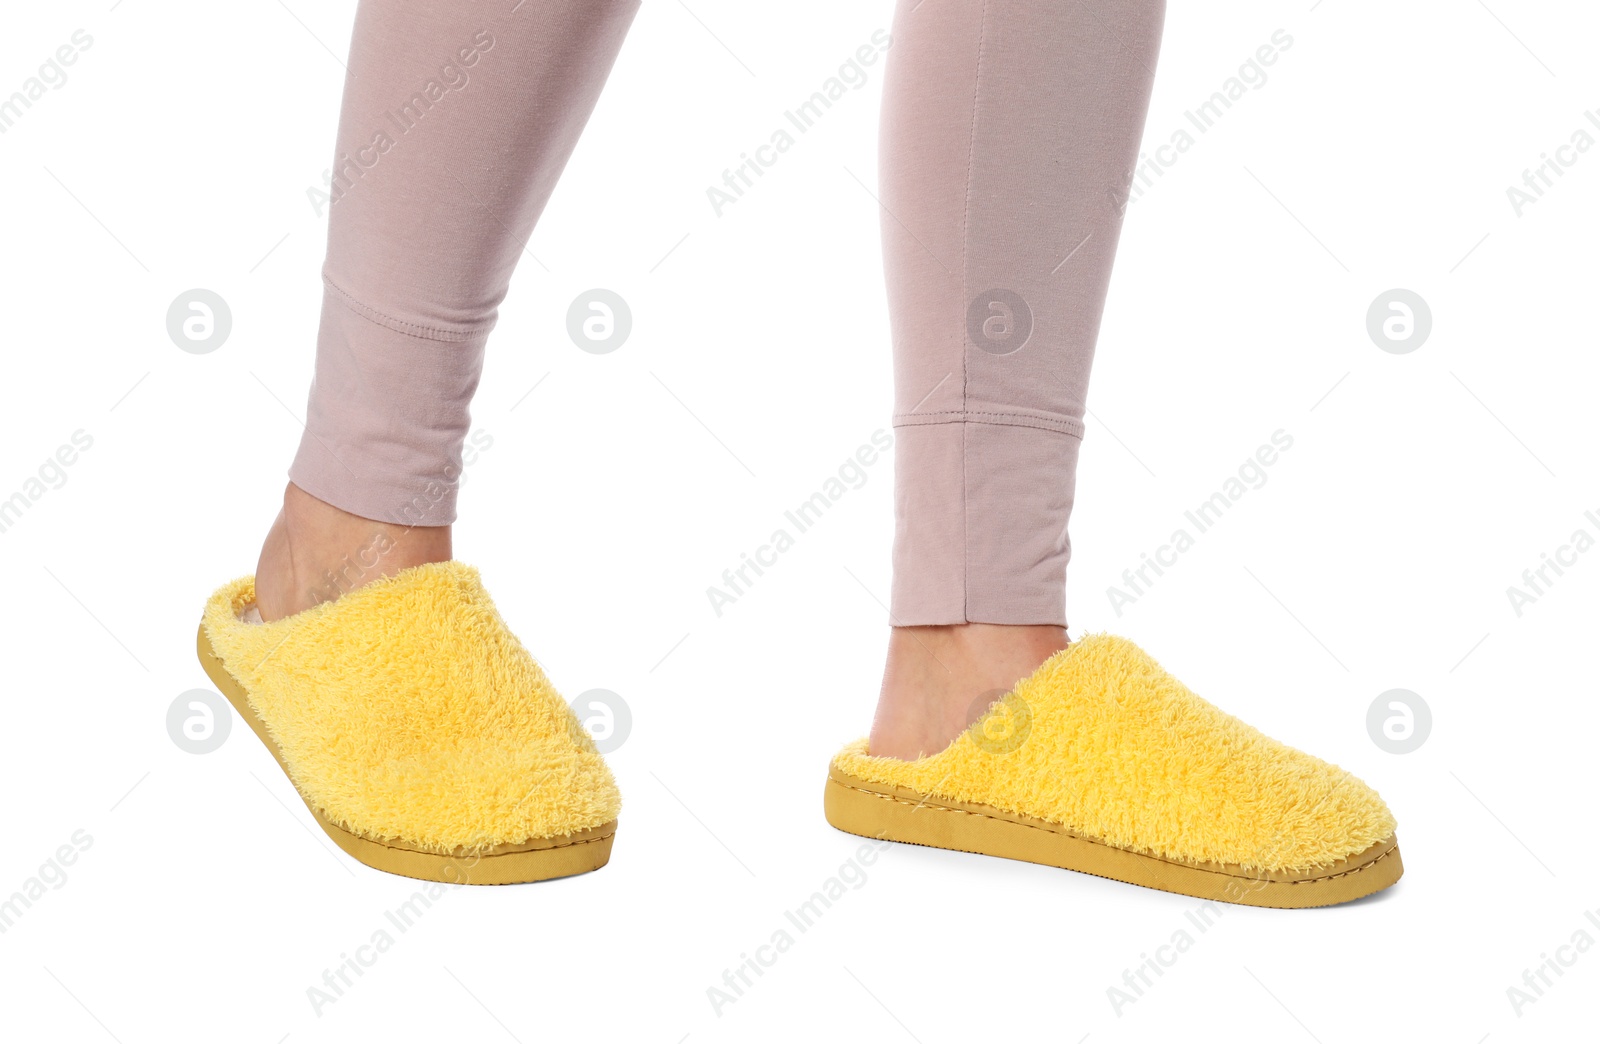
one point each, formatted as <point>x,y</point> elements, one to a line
<point>406,709</point>
<point>1102,740</point>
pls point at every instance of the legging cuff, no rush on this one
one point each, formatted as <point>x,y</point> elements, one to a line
<point>981,531</point>
<point>388,416</point>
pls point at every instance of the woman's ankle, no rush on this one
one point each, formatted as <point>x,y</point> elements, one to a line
<point>316,552</point>
<point>938,680</point>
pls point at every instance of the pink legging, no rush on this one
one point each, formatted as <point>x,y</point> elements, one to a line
<point>1009,132</point>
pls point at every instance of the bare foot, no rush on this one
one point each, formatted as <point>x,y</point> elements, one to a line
<point>315,552</point>
<point>938,680</point>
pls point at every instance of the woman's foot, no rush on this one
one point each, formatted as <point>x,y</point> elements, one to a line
<point>424,738</point>
<point>1105,763</point>
<point>939,680</point>
<point>315,552</point>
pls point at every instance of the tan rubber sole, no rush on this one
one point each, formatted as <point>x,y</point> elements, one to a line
<point>879,811</point>
<point>538,859</point>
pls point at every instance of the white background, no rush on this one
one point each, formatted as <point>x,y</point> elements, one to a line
<point>1420,486</point>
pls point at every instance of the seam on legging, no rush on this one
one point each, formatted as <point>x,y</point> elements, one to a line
<point>966,296</point>
<point>1065,426</point>
<point>400,325</point>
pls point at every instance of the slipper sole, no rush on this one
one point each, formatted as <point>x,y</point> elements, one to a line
<point>537,859</point>
<point>878,810</point>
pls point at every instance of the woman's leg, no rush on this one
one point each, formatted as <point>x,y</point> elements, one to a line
<point>1009,133</point>
<point>457,120</point>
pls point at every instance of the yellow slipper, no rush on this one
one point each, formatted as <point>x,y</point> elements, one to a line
<point>423,737</point>
<point>1101,761</point>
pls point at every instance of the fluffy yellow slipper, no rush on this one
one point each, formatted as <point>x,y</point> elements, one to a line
<point>1101,761</point>
<point>423,737</point>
